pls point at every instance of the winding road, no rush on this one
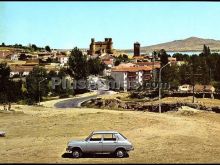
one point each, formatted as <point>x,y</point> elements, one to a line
<point>76,102</point>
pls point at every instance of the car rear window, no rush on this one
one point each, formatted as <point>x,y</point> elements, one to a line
<point>122,136</point>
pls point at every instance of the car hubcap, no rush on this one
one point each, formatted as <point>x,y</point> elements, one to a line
<point>76,154</point>
<point>120,154</point>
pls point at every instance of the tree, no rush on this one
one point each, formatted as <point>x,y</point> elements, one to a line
<point>120,59</point>
<point>117,62</point>
<point>217,74</point>
<point>59,89</point>
<point>34,47</point>
<point>206,51</point>
<point>163,57</point>
<point>181,57</point>
<point>78,65</point>
<point>4,79</point>
<point>3,44</point>
<point>22,56</point>
<point>47,48</point>
<point>32,84</point>
<point>95,66</point>
<point>9,90</point>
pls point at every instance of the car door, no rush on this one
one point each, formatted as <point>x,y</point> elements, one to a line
<point>94,143</point>
<point>109,142</point>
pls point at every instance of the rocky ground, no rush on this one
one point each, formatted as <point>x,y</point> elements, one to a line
<point>167,104</point>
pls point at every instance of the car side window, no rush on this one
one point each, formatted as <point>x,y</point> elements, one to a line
<point>109,137</point>
<point>96,137</point>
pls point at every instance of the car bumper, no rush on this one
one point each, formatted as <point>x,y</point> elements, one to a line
<point>130,149</point>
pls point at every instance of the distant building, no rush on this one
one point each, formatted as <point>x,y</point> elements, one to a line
<point>101,47</point>
<point>136,49</point>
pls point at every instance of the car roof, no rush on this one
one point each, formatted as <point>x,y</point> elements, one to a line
<point>103,132</point>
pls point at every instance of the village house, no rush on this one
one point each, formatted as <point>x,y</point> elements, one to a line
<point>52,67</point>
<point>22,68</point>
<point>4,54</point>
<point>45,55</point>
<point>14,57</point>
<point>126,74</point>
<point>108,60</point>
<point>63,59</point>
<point>155,65</point>
<point>198,88</point>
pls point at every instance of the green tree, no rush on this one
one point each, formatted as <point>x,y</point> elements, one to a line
<point>117,62</point>
<point>22,56</point>
<point>95,66</point>
<point>4,79</point>
<point>120,59</point>
<point>34,47</point>
<point>10,91</point>
<point>34,90</point>
<point>206,51</point>
<point>47,48</point>
<point>78,65</point>
<point>163,57</point>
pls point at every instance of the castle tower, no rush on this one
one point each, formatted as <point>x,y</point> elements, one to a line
<point>136,49</point>
<point>92,46</point>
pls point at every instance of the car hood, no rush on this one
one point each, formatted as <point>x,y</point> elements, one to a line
<point>75,142</point>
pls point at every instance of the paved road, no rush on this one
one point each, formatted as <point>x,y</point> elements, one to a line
<point>76,102</point>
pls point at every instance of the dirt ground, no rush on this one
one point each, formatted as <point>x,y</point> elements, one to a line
<point>40,135</point>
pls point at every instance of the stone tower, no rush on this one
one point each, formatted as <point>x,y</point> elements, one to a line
<point>136,49</point>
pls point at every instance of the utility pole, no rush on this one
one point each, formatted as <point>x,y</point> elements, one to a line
<point>160,85</point>
<point>39,88</point>
<point>193,80</point>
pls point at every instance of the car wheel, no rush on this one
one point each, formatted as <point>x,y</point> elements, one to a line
<point>120,153</point>
<point>76,153</point>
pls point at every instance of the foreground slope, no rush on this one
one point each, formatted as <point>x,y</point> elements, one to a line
<point>41,135</point>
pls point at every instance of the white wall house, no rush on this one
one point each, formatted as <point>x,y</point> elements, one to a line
<point>63,60</point>
<point>14,57</point>
<point>130,77</point>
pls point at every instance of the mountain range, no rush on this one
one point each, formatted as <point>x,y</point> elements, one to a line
<point>188,44</point>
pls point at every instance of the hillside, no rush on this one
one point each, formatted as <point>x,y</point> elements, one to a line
<point>189,44</point>
<point>40,135</point>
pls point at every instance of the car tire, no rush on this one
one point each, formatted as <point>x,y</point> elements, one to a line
<point>120,153</point>
<point>76,153</point>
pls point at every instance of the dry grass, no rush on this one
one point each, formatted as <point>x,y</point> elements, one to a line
<point>40,135</point>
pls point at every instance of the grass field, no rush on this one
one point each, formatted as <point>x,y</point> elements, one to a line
<point>40,135</point>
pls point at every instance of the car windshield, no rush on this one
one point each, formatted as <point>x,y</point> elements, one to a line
<point>88,137</point>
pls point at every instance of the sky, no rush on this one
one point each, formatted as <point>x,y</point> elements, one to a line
<point>65,25</point>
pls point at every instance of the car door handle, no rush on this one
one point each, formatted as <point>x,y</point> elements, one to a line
<point>100,142</point>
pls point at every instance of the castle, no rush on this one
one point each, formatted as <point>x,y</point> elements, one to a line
<point>101,47</point>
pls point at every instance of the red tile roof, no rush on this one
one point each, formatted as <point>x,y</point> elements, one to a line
<point>132,69</point>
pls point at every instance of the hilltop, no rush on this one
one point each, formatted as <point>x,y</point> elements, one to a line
<point>188,44</point>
